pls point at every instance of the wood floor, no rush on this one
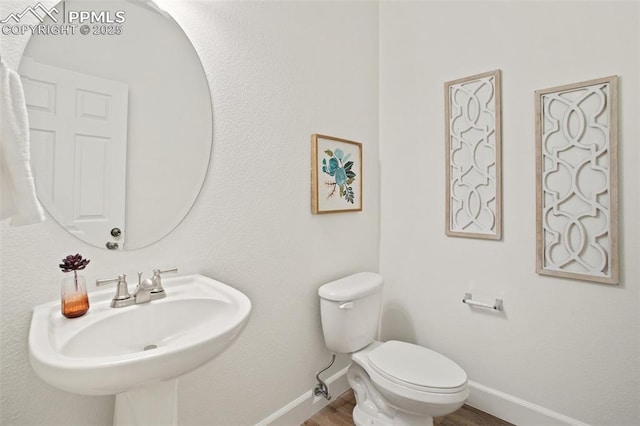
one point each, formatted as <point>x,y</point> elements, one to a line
<point>338,413</point>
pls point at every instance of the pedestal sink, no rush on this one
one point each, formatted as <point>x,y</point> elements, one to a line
<point>137,352</point>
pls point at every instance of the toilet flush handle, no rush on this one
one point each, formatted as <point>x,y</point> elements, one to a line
<point>346,305</point>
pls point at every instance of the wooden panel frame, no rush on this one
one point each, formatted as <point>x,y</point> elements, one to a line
<point>336,165</point>
<point>597,124</point>
<point>490,225</point>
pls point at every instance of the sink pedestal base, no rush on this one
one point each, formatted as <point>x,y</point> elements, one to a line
<point>154,404</point>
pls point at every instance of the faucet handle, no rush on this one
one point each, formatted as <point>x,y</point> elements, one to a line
<point>122,290</point>
<point>157,280</point>
<point>106,281</point>
<point>157,272</point>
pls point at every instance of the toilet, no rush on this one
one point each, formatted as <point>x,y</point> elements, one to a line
<point>395,383</point>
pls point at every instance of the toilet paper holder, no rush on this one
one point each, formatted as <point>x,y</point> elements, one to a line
<point>468,299</point>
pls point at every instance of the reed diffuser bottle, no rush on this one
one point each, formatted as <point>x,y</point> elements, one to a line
<point>74,300</point>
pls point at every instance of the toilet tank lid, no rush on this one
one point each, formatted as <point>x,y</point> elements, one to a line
<point>351,287</point>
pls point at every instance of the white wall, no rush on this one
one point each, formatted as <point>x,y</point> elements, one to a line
<point>569,346</point>
<point>278,73</point>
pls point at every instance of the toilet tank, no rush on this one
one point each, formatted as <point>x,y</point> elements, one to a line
<point>350,311</point>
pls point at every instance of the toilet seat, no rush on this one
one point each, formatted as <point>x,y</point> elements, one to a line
<point>417,368</point>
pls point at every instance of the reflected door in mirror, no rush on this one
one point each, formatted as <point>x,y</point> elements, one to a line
<point>168,116</point>
<point>78,126</point>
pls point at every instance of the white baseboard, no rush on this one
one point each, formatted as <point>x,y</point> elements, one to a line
<point>492,401</point>
<point>306,405</point>
<point>515,410</point>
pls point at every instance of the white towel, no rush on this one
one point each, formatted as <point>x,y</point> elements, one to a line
<point>18,200</point>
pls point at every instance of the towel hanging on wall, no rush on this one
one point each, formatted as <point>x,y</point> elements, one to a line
<point>18,201</point>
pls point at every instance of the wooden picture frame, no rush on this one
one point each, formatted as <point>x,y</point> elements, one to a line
<point>577,180</point>
<point>336,175</point>
<point>473,136</point>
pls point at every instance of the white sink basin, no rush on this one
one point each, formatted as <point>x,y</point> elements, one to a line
<point>114,350</point>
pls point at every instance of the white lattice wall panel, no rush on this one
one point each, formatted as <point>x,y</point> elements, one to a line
<point>576,143</point>
<point>473,138</point>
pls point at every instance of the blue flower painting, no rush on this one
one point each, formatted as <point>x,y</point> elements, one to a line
<point>338,166</point>
<point>336,175</point>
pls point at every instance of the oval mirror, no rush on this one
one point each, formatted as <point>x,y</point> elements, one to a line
<point>120,120</point>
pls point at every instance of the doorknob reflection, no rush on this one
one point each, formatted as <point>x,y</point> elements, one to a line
<point>111,246</point>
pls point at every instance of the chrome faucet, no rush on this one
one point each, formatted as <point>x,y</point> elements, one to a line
<point>142,293</point>
<point>147,290</point>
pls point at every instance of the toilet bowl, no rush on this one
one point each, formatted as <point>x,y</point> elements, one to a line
<point>395,383</point>
<point>415,383</point>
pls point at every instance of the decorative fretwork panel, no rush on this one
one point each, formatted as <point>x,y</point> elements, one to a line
<point>576,146</point>
<point>472,120</point>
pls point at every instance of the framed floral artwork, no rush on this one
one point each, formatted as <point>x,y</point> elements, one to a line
<point>336,175</point>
